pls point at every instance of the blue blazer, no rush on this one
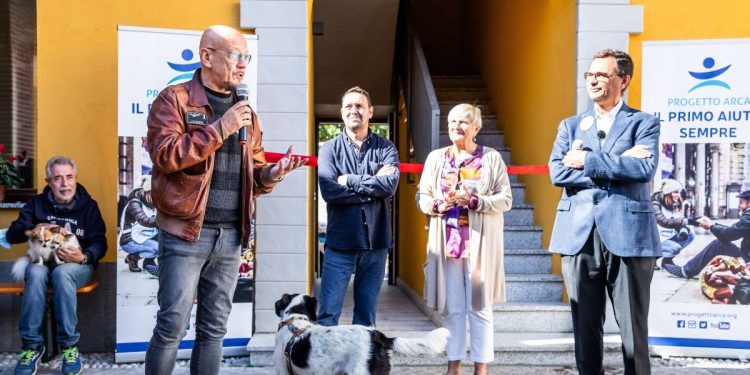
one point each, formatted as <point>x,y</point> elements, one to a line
<point>611,192</point>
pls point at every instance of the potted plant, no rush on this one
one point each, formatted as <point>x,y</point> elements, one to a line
<point>9,176</point>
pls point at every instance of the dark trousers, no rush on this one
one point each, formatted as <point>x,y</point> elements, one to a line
<point>716,247</point>
<point>589,276</point>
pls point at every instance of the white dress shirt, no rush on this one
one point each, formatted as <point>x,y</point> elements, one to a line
<point>604,120</point>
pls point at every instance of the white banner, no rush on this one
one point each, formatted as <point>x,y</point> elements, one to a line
<point>149,60</point>
<point>700,90</point>
<point>152,59</point>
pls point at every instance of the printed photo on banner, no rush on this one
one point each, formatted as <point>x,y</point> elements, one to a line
<point>700,90</point>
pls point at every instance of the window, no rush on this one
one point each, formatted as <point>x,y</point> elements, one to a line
<point>17,103</point>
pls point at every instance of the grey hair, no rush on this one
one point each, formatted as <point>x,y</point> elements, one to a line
<point>471,113</point>
<point>60,160</point>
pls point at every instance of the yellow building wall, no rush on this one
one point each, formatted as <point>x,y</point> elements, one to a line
<point>685,19</point>
<point>411,230</point>
<point>77,85</point>
<point>312,230</point>
<point>526,52</point>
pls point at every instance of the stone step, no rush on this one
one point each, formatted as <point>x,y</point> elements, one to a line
<point>528,261</point>
<point>518,190</point>
<point>462,82</point>
<point>462,94</point>
<point>523,237</point>
<point>520,214</point>
<point>511,348</point>
<point>533,317</point>
<point>539,287</point>
<point>492,138</point>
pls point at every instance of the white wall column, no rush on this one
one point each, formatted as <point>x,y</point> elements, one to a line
<point>281,258</point>
<point>602,24</point>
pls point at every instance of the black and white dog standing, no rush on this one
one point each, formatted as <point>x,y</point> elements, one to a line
<point>303,347</point>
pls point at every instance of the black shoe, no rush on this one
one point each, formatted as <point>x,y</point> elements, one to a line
<point>153,270</point>
<point>675,270</point>
<point>149,262</point>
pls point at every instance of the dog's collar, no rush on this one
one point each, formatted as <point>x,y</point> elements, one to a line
<point>296,333</point>
<point>288,323</point>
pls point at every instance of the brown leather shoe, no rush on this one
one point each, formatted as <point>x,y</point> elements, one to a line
<point>132,261</point>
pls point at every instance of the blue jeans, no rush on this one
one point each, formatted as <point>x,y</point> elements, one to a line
<point>671,247</point>
<point>338,266</point>
<point>64,279</point>
<point>147,249</point>
<point>695,265</point>
<point>206,270</point>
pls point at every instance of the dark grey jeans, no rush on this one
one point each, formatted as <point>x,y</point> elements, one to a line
<point>205,271</point>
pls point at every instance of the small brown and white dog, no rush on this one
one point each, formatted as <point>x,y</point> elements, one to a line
<point>303,347</point>
<point>44,240</point>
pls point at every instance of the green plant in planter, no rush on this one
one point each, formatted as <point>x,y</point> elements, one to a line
<point>8,171</point>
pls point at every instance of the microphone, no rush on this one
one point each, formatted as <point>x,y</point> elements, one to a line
<point>601,134</point>
<point>242,94</point>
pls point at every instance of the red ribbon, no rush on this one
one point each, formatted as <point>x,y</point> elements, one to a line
<point>312,161</point>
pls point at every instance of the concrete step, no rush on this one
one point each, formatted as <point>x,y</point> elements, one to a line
<point>527,261</point>
<point>463,82</point>
<point>539,287</point>
<point>547,349</point>
<point>462,94</point>
<point>511,348</point>
<point>523,237</point>
<point>533,317</point>
<point>518,190</point>
<point>492,138</point>
<point>520,214</point>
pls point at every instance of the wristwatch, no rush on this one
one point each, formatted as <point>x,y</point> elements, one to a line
<point>85,260</point>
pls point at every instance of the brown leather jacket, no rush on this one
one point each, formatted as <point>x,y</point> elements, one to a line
<point>182,138</point>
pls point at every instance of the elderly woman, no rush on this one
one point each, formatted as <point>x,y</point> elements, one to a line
<point>465,190</point>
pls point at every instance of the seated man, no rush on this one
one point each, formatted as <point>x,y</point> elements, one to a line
<point>722,245</point>
<point>68,205</point>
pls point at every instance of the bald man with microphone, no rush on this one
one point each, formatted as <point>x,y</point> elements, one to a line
<point>209,165</point>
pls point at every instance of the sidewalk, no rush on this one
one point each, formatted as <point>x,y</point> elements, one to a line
<point>102,364</point>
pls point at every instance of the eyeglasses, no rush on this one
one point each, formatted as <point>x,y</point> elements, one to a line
<point>599,76</point>
<point>234,56</point>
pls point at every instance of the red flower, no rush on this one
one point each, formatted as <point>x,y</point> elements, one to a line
<point>2,148</point>
<point>12,158</point>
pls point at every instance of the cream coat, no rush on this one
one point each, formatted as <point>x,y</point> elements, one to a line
<point>485,232</point>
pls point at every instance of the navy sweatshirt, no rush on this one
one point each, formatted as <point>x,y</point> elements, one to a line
<point>83,219</point>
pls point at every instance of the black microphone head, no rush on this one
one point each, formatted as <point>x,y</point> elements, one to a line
<point>601,134</point>
<point>242,92</point>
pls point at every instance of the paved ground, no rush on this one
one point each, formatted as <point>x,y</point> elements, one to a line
<point>102,364</point>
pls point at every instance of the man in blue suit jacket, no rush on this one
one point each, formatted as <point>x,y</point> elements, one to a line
<point>604,160</point>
